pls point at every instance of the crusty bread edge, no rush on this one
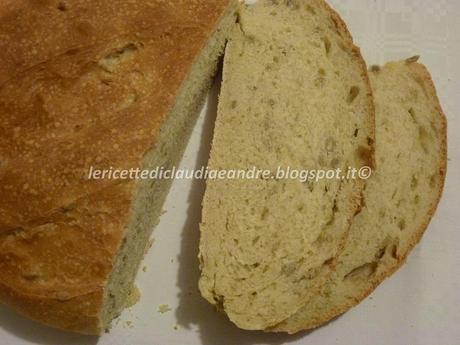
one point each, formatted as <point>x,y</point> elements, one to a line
<point>358,200</point>
<point>342,28</point>
<point>420,71</point>
<point>360,184</point>
<point>49,311</point>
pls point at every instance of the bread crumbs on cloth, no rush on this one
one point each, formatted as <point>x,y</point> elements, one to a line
<point>133,297</point>
<point>128,324</point>
<point>164,308</point>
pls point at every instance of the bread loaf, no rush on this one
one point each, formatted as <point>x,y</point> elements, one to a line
<point>296,95</point>
<point>92,84</point>
<point>401,197</point>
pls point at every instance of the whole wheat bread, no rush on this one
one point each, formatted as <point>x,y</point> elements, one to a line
<point>102,83</point>
<point>401,198</point>
<point>295,94</point>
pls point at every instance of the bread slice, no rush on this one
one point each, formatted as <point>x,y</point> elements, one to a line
<point>295,94</point>
<point>400,198</point>
<point>92,84</point>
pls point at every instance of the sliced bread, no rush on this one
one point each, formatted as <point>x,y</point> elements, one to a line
<point>296,95</point>
<point>400,198</point>
<point>101,83</point>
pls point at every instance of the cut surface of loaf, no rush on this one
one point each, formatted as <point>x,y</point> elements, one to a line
<point>400,199</point>
<point>295,94</point>
<point>118,85</point>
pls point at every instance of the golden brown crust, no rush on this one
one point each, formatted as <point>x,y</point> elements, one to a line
<point>51,133</point>
<point>82,83</point>
<point>56,272</point>
<point>421,73</point>
<point>53,27</point>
